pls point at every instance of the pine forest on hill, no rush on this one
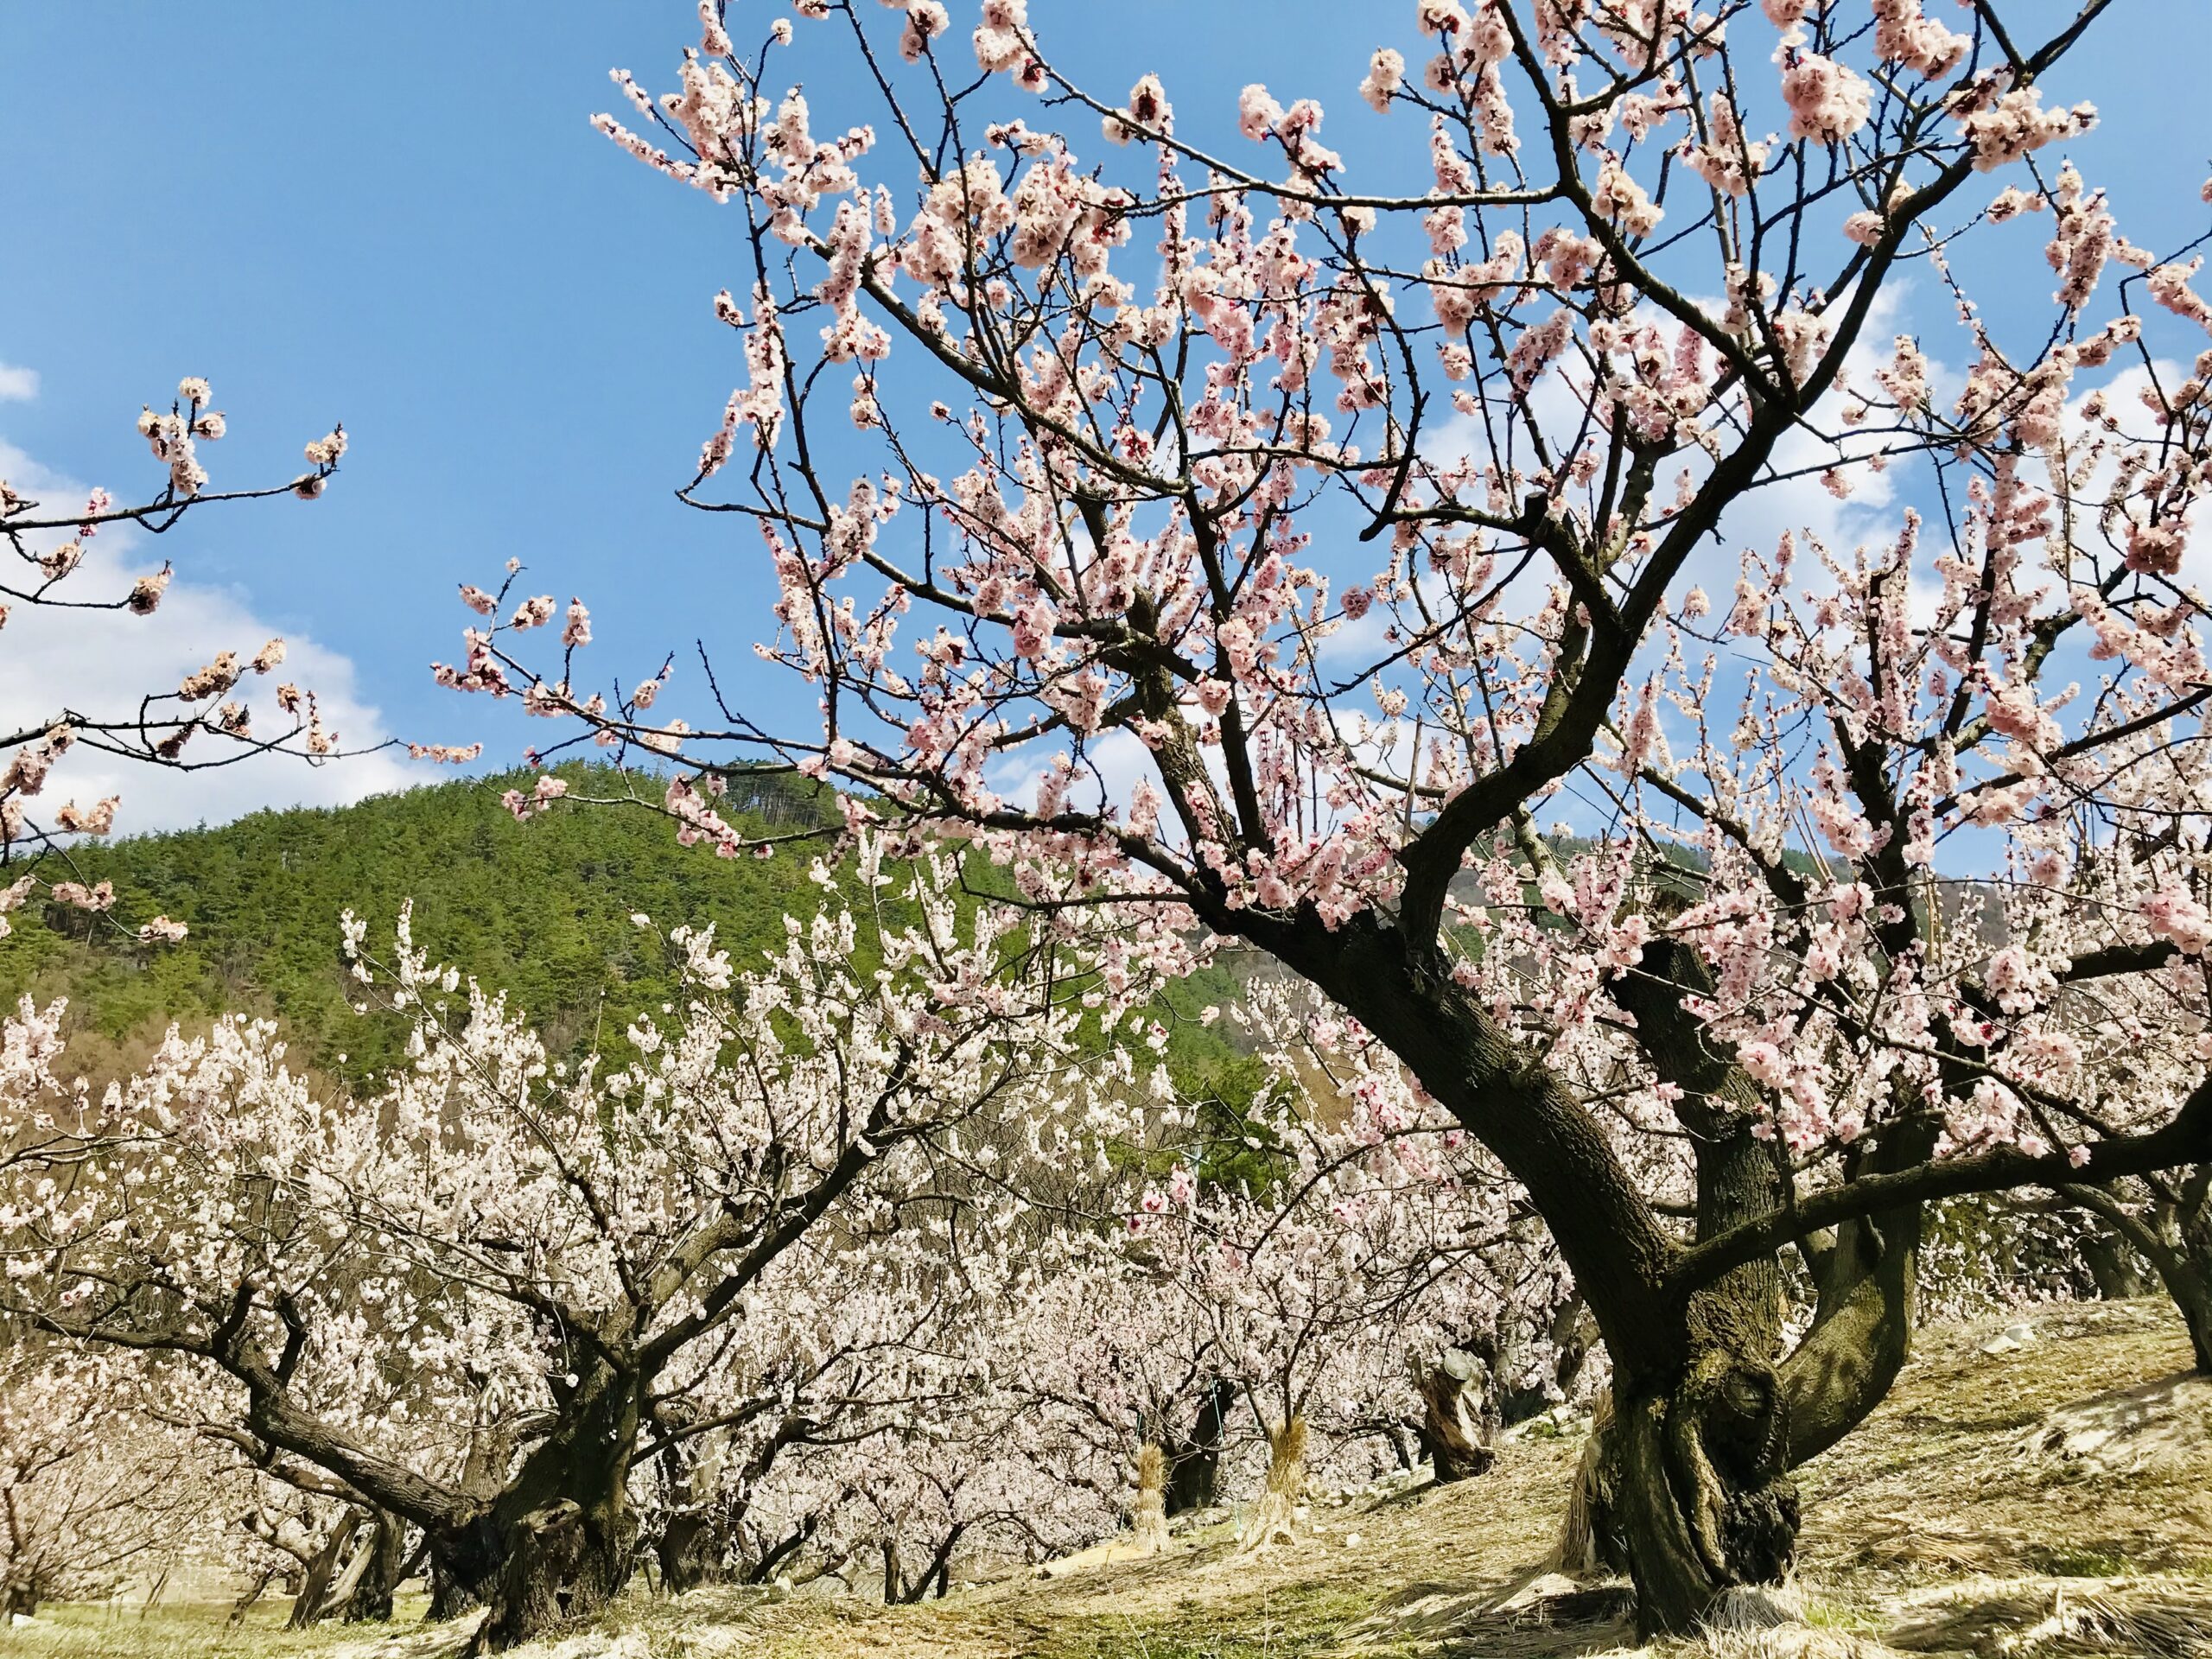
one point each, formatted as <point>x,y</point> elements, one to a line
<point>540,910</point>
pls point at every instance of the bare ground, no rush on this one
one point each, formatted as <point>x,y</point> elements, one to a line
<point>2052,1498</point>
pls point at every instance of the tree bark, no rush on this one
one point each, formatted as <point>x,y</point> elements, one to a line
<point>246,1598</point>
<point>558,1540</point>
<point>2116,1270</point>
<point>1458,1419</point>
<point>1701,1498</point>
<point>1194,1460</point>
<point>936,1576</point>
<point>689,1547</point>
<point>313,1600</point>
<point>546,1562</point>
<point>1689,1491</point>
<point>2178,1243</point>
<point>450,1595</point>
<point>764,1569</point>
<point>2190,1284</point>
<point>383,1555</point>
<point>1867,1279</point>
<point>686,1551</point>
<point>1684,1484</point>
<point>1694,1497</point>
<point>560,1561</point>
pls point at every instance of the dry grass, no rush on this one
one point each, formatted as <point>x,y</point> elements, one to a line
<point>1964,1518</point>
<point>2038,1617</point>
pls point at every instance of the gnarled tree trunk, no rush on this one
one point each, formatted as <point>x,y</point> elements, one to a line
<point>561,1560</point>
<point>1458,1419</point>
<point>244,1602</point>
<point>313,1600</point>
<point>1701,1498</point>
<point>2118,1272</point>
<point>19,1597</point>
<point>687,1551</point>
<point>1690,1492</point>
<point>559,1539</point>
<point>377,1578</point>
<point>2176,1239</point>
<point>546,1576</point>
<point>2190,1283</point>
<point>689,1547</point>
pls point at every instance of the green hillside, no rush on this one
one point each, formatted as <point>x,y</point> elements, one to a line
<point>541,909</point>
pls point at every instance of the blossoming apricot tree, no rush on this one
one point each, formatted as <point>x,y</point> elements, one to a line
<point>95,1488</point>
<point>1266,551</point>
<point>500,1249</point>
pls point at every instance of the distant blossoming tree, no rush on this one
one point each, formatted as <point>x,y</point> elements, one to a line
<point>1216,534</point>
<point>473,1300</point>
<point>96,1489</point>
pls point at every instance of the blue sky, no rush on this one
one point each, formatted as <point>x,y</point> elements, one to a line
<point>397,215</point>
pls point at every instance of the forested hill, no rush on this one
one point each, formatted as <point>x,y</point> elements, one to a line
<point>541,910</point>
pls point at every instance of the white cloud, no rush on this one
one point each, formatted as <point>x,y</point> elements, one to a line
<point>100,662</point>
<point>1112,762</point>
<point>18,385</point>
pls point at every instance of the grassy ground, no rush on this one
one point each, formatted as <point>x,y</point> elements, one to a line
<point>1955,1520</point>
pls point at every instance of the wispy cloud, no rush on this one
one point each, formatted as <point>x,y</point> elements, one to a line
<point>18,385</point>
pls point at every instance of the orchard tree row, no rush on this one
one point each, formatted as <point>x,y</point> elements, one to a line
<point>878,1274</point>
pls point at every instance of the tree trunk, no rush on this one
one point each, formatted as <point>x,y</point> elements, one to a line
<point>2117,1271</point>
<point>1685,1485</point>
<point>251,1594</point>
<point>1570,1333</point>
<point>544,1559</point>
<point>1194,1461</point>
<point>1689,1488</point>
<point>563,1562</point>
<point>1274,1518</point>
<point>558,1541</point>
<point>1149,1519</point>
<point>2183,1263</point>
<point>1867,1276</point>
<point>764,1569</point>
<point>313,1600</point>
<point>935,1576</point>
<point>687,1550</point>
<point>1458,1420</point>
<point>2193,1262</point>
<point>382,1559</point>
<point>2177,1240</point>
<point>466,1561</point>
<point>450,1595</point>
<point>19,1597</point>
<point>2190,1283</point>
